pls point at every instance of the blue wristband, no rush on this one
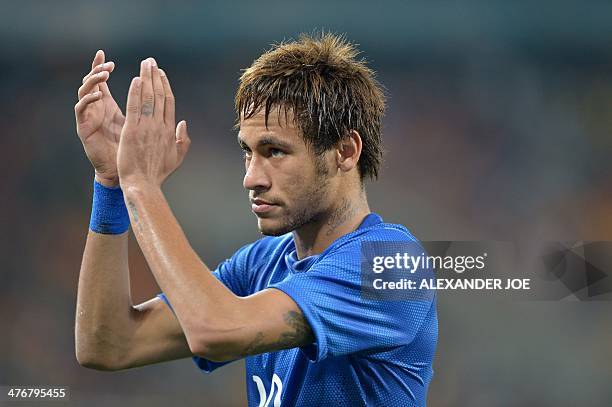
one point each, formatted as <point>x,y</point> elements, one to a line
<point>108,212</point>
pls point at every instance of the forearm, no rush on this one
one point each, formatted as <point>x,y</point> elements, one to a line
<point>104,308</point>
<point>203,305</point>
<point>104,312</point>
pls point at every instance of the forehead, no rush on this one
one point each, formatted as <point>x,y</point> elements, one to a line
<point>280,125</point>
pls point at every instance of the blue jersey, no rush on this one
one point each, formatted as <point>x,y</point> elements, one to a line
<point>366,352</point>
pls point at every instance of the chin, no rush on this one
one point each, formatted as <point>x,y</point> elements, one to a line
<point>284,223</point>
<point>269,227</point>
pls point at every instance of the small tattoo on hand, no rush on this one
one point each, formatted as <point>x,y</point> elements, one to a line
<point>147,109</point>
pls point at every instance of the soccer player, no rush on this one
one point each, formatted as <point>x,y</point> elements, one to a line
<point>309,117</point>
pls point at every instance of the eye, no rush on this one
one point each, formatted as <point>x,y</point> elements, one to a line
<point>275,152</point>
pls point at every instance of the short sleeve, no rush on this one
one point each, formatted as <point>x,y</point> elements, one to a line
<point>233,273</point>
<point>343,322</point>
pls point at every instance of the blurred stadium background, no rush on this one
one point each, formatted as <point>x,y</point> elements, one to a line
<point>499,127</point>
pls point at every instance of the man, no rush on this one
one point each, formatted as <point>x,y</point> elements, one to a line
<point>309,117</point>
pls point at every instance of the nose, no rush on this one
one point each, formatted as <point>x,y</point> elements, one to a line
<point>256,178</point>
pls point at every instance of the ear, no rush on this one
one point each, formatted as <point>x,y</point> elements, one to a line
<point>348,151</point>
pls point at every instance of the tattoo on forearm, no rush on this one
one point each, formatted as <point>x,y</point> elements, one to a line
<point>298,333</point>
<point>132,207</point>
<point>256,346</point>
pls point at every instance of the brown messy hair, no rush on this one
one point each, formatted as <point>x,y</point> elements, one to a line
<point>329,90</point>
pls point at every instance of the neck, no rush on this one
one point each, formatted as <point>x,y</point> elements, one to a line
<point>342,219</point>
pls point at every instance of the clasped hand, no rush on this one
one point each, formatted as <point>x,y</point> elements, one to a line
<point>150,148</point>
<point>142,148</point>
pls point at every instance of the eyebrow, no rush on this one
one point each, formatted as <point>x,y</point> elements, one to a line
<point>266,141</point>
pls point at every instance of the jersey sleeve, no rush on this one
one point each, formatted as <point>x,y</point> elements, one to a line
<point>233,273</point>
<point>343,322</point>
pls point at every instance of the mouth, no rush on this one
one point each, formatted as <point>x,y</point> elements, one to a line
<point>260,206</point>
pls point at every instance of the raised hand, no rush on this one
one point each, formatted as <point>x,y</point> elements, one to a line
<point>150,148</point>
<point>99,120</point>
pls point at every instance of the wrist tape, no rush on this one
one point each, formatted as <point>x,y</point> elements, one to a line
<point>109,215</point>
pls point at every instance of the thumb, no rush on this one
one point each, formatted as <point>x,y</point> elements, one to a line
<point>182,139</point>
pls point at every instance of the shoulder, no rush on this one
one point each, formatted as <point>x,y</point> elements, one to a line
<point>262,249</point>
<point>348,251</point>
<point>389,232</point>
<point>380,232</point>
<point>245,266</point>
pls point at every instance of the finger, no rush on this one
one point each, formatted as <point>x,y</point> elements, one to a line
<point>182,140</point>
<point>169,102</point>
<point>86,100</point>
<point>133,109</point>
<point>108,66</point>
<point>158,91</point>
<point>91,84</point>
<point>147,98</point>
<point>104,85</point>
<point>98,59</point>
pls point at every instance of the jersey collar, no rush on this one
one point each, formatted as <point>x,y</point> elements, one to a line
<point>298,266</point>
